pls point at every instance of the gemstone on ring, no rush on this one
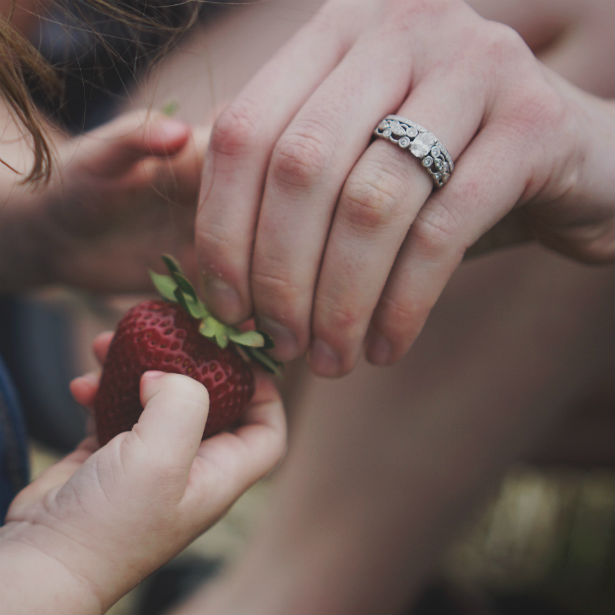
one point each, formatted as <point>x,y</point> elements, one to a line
<point>419,142</point>
<point>421,146</point>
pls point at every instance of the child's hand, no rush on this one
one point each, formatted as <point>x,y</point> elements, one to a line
<point>97,522</point>
<point>119,196</point>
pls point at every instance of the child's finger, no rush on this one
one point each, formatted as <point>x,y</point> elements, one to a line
<point>233,461</point>
<point>100,345</point>
<point>172,422</point>
<point>83,388</point>
<point>131,137</point>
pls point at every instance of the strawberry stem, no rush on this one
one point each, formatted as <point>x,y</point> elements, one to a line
<point>177,288</point>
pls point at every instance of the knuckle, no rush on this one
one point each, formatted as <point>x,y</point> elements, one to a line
<point>502,43</point>
<point>233,133</point>
<point>371,202</point>
<point>220,256</point>
<point>281,293</point>
<point>400,322</point>
<point>299,159</point>
<point>404,15</point>
<point>541,111</point>
<point>537,117</point>
<point>216,247</point>
<point>337,321</point>
<point>436,227</point>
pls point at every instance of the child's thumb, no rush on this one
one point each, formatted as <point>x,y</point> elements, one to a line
<point>174,415</point>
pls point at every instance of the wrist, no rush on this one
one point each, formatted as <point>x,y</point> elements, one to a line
<point>44,571</point>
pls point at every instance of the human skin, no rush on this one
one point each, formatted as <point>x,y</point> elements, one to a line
<point>99,521</point>
<point>515,353</point>
<point>117,196</point>
<point>332,242</point>
<point>387,466</point>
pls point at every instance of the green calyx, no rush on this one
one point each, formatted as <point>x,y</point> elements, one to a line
<point>251,345</point>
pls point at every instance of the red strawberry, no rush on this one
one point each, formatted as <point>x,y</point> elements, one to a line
<point>179,337</point>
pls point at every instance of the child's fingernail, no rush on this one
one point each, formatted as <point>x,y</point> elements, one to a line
<point>153,375</point>
<point>171,129</point>
<point>90,378</point>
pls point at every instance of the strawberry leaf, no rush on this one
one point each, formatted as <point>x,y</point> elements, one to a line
<point>177,287</point>
<point>243,354</point>
<point>171,263</point>
<point>192,307</point>
<point>184,284</point>
<point>213,329</point>
<point>269,343</point>
<point>164,284</point>
<point>195,308</point>
<point>170,108</point>
<point>255,339</point>
<point>264,360</point>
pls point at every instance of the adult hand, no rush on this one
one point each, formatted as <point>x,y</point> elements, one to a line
<point>333,240</point>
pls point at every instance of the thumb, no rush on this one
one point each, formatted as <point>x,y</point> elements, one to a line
<point>123,142</point>
<point>173,419</point>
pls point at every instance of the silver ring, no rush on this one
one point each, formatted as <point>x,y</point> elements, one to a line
<point>421,143</point>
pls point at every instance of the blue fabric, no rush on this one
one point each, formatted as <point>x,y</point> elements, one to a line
<point>14,466</point>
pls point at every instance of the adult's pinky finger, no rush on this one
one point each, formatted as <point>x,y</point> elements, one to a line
<point>483,189</point>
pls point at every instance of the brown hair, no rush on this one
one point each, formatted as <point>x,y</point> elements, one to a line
<point>21,64</point>
<point>18,57</point>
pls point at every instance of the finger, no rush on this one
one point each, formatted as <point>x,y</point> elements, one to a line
<point>230,462</point>
<point>174,179</point>
<point>377,206</point>
<point>309,164</point>
<point>101,344</point>
<point>171,425</point>
<point>241,143</point>
<point>116,146</point>
<point>483,189</point>
<point>84,388</point>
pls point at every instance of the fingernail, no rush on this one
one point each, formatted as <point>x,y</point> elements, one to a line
<point>153,374</point>
<point>170,129</point>
<point>379,349</point>
<point>324,360</point>
<point>286,346</point>
<point>89,377</point>
<point>223,299</point>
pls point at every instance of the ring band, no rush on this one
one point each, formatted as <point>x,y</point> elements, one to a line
<point>421,143</point>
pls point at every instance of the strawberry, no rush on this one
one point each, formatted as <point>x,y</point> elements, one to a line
<point>177,335</point>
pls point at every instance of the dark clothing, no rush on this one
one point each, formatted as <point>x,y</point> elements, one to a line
<point>14,466</point>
